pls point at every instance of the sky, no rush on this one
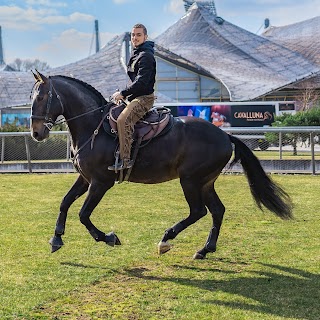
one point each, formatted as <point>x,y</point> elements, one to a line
<point>62,31</point>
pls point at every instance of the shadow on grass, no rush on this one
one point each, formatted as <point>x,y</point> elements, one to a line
<point>84,266</point>
<point>282,291</point>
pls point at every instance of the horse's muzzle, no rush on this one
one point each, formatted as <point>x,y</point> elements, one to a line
<point>39,132</point>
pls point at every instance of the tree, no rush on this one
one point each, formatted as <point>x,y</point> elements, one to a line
<point>308,96</point>
<point>307,118</point>
<point>13,127</point>
<point>27,65</point>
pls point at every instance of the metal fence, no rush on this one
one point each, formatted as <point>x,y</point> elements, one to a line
<point>280,150</point>
<point>283,150</point>
<point>20,153</point>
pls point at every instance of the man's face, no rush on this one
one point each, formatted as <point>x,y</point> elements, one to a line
<point>138,37</point>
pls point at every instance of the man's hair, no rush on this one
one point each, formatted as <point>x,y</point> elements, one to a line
<point>140,25</point>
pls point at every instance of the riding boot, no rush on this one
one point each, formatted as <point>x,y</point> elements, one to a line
<point>121,165</point>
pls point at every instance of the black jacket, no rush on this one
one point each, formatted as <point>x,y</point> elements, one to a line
<point>141,70</point>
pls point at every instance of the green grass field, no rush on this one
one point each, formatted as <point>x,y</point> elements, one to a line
<point>286,155</point>
<point>264,268</point>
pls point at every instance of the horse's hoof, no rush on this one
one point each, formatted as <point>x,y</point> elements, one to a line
<point>198,256</point>
<point>112,239</point>
<point>163,247</point>
<point>56,243</point>
<point>55,248</point>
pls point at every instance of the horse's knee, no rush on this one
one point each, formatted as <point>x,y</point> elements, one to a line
<point>84,218</point>
<point>217,215</point>
<point>217,220</point>
<point>202,212</point>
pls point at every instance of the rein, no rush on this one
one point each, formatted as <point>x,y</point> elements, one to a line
<point>92,137</point>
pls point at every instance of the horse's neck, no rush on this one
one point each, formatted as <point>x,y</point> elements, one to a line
<point>81,114</point>
<point>82,128</point>
<point>83,123</point>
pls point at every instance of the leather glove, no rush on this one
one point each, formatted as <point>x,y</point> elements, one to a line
<point>117,97</point>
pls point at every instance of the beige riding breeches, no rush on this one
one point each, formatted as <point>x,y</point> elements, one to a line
<point>133,112</point>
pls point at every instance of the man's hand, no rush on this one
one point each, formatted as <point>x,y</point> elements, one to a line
<point>117,97</point>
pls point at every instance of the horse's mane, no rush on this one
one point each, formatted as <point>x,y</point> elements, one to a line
<point>87,85</point>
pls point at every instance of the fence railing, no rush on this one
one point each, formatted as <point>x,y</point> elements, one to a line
<point>285,150</point>
<point>20,153</point>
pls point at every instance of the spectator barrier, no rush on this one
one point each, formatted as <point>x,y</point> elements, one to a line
<point>280,150</point>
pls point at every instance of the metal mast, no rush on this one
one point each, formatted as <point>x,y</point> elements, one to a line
<point>208,4</point>
<point>96,28</point>
<point>1,49</point>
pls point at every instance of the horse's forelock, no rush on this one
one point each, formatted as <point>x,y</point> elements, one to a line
<point>34,88</point>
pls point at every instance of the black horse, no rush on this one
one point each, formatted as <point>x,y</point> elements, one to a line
<point>194,150</point>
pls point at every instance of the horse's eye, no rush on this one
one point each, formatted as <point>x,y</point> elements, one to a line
<point>39,98</point>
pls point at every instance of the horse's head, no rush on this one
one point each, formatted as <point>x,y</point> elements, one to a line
<point>46,107</point>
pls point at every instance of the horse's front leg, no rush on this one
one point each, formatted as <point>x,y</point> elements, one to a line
<point>95,193</point>
<point>78,189</point>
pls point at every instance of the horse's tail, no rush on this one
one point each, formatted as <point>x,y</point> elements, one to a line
<point>264,191</point>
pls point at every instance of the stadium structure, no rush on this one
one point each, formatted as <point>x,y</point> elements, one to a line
<point>200,58</point>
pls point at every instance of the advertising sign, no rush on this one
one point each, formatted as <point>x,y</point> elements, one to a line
<point>230,115</point>
<point>252,115</point>
<point>198,111</point>
<point>19,119</point>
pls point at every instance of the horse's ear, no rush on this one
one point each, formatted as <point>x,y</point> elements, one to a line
<point>41,77</point>
<point>35,76</point>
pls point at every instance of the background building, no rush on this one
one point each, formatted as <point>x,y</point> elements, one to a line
<point>201,57</point>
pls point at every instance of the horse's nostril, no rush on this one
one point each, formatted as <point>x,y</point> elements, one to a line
<point>35,134</point>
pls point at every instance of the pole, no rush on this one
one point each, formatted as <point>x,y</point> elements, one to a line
<point>96,27</point>
<point>2,149</point>
<point>28,153</point>
<point>313,162</point>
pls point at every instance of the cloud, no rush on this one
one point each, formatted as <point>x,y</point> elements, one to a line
<point>70,46</point>
<point>121,1</point>
<point>72,18</point>
<point>47,3</point>
<point>13,17</point>
<point>251,13</point>
<point>175,7</point>
<point>288,14</point>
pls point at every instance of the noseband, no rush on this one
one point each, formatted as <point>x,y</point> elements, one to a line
<point>48,122</point>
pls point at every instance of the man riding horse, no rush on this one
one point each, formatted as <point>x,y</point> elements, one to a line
<point>141,70</point>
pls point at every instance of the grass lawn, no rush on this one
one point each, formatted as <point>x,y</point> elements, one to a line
<point>264,268</point>
<point>285,155</point>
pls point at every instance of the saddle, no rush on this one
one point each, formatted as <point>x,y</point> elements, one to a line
<point>153,124</point>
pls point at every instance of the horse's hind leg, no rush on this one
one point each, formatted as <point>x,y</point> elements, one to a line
<point>78,189</point>
<point>217,210</point>
<point>197,210</point>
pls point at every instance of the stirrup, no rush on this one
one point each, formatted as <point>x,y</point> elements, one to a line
<point>121,165</point>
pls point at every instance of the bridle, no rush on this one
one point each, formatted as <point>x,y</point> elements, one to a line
<point>48,122</point>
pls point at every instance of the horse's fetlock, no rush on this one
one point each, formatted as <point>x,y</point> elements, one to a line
<point>94,235</point>
<point>170,233</point>
<point>211,247</point>
<point>59,230</point>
